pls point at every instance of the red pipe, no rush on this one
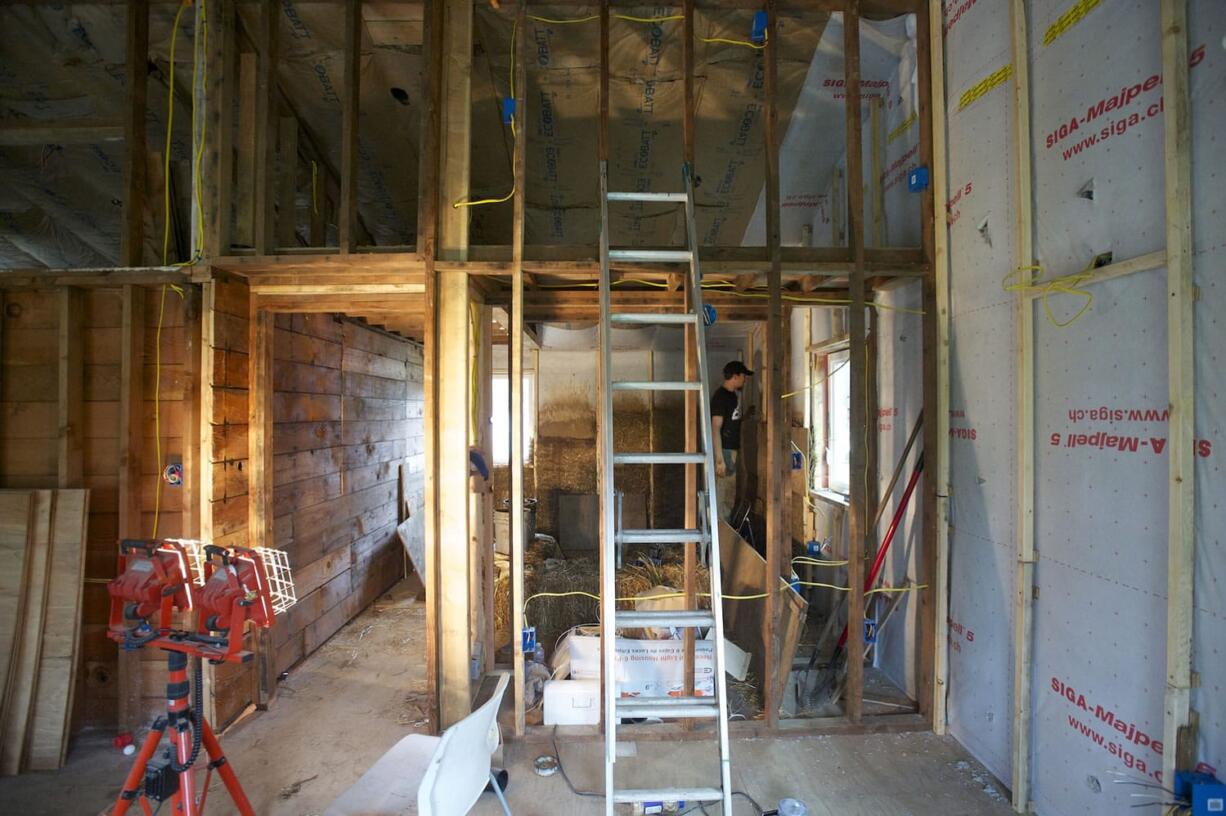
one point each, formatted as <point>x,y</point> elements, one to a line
<point>879,561</point>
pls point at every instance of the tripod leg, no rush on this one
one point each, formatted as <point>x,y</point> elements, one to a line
<point>218,760</point>
<point>136,777</point>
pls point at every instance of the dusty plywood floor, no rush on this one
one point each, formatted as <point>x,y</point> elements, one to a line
<point>350,701</point>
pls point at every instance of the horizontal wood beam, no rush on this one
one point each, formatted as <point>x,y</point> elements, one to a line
<point>26,133</point>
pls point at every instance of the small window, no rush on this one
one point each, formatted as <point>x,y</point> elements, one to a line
<point>501,396</point>
<point>831,396</point>
<point>838,410</point>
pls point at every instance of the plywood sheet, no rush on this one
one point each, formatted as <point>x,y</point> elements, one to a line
<point>23,672</point>
<point>52,703</point>
<point>744,573</point>
<point>14,533</point>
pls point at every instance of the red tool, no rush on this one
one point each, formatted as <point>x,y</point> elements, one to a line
<point>871,578</point>
<point>155,582</point>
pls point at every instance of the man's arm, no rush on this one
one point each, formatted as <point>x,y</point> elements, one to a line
<point>717,424</point>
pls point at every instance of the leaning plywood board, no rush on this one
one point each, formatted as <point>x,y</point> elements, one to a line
<point>14,534</point>
<point>23,672</point>
<point>48,736</point>
<point>744,573</point>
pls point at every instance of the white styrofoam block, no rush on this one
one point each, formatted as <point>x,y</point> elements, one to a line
<point>572,702</point>
<point>648,668</point>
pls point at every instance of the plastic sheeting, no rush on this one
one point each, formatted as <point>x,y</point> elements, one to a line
<point>1101,463</point>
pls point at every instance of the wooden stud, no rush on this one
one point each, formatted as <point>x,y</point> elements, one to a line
<point>933,652</point>
<point>131,435</point>
<point>1023,611</point>
<point>778,538</point>
<point>351,95</point>
<point>218,159</point>
<point>452,493</point>
<point>456,124</point>
<point>71,446</point>
<point>858,520</point>
<point>1181,373</point>
<point>287,182</point>
<point>516,369</point>
<point>244,200</point>
<point>265,130</point>
<point>136,81</point>
<point>260,327</point>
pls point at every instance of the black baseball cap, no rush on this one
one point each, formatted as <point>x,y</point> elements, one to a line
<point>736,367</point>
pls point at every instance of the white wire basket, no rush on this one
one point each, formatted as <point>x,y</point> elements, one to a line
<point>280,578</point>
<point>276,568</point>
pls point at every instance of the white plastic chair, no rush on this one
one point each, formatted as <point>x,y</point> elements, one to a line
<point>432,776</point>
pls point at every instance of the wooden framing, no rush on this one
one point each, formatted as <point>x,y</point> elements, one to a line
<point>516,372</point>
<point>71,444</point>
<point>858,519</point>
<point>266,131</point>
<point>934,623</point>
<point>260,470</point>
<point>347,212</point>
<point>442,265</point>
<point>778,537</point>
<point>1178,729</point>
<point>1023,610</point>
<point>218,159</point>
<point>131,436</point>
<point>136,76</point>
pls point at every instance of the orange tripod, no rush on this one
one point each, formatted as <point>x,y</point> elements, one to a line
<point>174,778</point>
<point>155,580</point>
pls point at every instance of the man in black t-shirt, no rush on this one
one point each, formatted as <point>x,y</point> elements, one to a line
<point>726,433</point>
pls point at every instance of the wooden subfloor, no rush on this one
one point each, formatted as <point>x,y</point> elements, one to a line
<point>350,701</point>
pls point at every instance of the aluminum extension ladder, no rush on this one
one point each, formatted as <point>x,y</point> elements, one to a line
<point>613,538</point>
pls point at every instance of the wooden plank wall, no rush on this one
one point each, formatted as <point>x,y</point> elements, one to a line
<point>232,687</point>
<point>28,444</point>
<point>347,413</point>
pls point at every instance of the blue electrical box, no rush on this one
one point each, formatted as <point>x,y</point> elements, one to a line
<point>529,639</point>
<point>757,32</point>
<point>1203,790</point>
<point>798,460</point>
<point>917,180</point>
<point>1208,798</point>
<point>508,110</point>
<point>708,314</point>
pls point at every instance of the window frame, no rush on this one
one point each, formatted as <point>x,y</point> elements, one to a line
<point>529,415</point>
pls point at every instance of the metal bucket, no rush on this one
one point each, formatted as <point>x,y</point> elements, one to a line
<point>502,524</point>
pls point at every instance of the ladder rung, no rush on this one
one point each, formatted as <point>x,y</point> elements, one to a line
<point>650,255</point>
<point>624,797</point>
<point>688,536</point>
<point>658,385</point>
<point>668,708</point>
<point>661,618</point>
<point>649,317</point>
<point>647,197</point>
<point>659,458</point>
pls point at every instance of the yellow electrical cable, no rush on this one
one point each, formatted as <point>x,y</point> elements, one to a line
<point>819,382</point>
<point>817,562</point>
<point>1043,289</point>
<point>633,19</point>
<point>200,39</point>
<point>756,597</point>
<point>157,346</point>
<point>514,181</point>
<point>742,43</point>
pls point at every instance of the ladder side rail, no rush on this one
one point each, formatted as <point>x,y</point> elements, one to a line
<point>712,509</point>
<point>608,603</point>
